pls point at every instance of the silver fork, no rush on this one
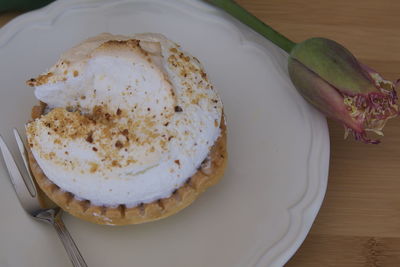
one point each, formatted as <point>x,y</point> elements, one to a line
<point>27,194</point>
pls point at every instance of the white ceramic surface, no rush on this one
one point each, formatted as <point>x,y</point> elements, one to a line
<point>261,211</point>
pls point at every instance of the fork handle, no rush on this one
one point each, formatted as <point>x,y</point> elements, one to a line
<point>69,244</point>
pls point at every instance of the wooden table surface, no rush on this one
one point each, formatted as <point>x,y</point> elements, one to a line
<point>359,222</point>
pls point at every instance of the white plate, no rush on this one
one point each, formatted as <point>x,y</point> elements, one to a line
<point>279,148</point>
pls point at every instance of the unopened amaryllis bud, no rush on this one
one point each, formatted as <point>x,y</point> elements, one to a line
<point>329,77</point>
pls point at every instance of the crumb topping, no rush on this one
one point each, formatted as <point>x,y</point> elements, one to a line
<point>108,134</point>
<point>154,112</point>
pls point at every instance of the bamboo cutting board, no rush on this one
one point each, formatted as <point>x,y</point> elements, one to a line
<point>359,222</point>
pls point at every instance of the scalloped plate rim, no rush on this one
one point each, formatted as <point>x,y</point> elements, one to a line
<point>302,214</point>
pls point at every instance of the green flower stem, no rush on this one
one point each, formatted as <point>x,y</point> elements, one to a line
<point>257,25</point>
<point>11,5</point>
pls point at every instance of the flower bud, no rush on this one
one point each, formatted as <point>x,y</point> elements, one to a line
<point>330,78</point>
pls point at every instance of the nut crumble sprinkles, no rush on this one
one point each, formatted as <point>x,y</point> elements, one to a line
<point>127,120</point>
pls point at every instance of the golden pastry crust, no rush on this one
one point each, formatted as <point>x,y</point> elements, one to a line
<point>208,174</point>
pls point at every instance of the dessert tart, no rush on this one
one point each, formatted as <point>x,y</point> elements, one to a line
<point>128,130</point>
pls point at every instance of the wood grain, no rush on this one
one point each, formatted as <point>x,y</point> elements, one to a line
<point>359,222</point>
<point>6,17</point>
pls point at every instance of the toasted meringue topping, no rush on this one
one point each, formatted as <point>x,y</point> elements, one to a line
<point>129,119</point>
